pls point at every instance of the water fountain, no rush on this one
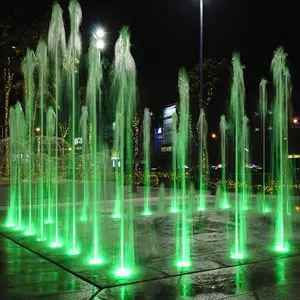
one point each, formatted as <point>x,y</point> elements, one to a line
<point>183,244</point>
<point>62,194</point>
<point>146,148</point>
<point>281,170</point>
<point>203,162</point>
<point>238,120</point>
<point>263,104</point>
<point>222,196</point>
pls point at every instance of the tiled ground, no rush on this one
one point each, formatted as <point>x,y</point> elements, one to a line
<point>52,274</point>
<point>24,275</point>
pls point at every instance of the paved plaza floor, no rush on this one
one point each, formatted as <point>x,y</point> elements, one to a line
<point>32,270</point>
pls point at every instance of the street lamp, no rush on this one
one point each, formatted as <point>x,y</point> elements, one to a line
<point>100,44</point>
<point>100,33</point>
<point>38,129</point>
<point>99,37</point>
<point>201,53</point>
<point>214,136</point>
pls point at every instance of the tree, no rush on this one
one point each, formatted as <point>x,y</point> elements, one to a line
<point>214,73</point>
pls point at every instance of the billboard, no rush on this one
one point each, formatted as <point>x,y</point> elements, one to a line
<point>167,124</point>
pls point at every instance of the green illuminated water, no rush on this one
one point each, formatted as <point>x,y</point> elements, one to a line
<point>223,198</point>
<point>239,136</point>
<point>17,128</point>
<point>183,233</point>
<point>57,49</point>
<point>280,166</point>
<point>203,161</point>
<point>50,129</point>
<point>85,161</point>
<point>28,66</point>
<point>174,204</point>
<point>146,148</point>
<point>62,190</point>
<point>263,105</point>
<point>73,56</point>
<point>42,59</point>
<point>124,91</point>
<point>92,98</point>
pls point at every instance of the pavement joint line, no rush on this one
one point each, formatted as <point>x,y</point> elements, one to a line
<point>51,261</point>
<point>94,295</point>
<point>239,264</point>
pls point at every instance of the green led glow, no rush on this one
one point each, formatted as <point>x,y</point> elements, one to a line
<point>56,245</point>
<point>174,211</point>
<point>146,152</point>
<point>95,261</point>
<point>183,264</point>
<point>267,210</point>
<point>237,256</point>
<point>201,209</point>
<point>123,272</point>
<point>147,213</point>
<point>10,225</point>
<point>41,239</point>
<point>73,252</point>
<point>282,249</point>
<point>29,233</point>
<point>116,216</point>
<point>183,225</point>
<point>240,131</point>
<point>49,222</point>
<point>19,228</point>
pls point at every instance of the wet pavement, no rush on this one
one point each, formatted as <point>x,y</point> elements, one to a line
<point>25,275</point>
<point>33,270</point>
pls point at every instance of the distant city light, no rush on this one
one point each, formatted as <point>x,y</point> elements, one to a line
<point>213,135</point>
<point>295,120</point>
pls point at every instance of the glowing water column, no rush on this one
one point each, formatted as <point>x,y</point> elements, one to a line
<point>237,111</point>
<point>124,92</point>
<point>183,226</point>
<point>280,166</point>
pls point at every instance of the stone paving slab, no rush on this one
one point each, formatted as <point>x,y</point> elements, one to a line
<point>24,275</point>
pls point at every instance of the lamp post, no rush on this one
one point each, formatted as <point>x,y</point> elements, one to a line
<point>201,54</point>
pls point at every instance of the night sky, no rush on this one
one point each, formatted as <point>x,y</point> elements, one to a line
<point>165,36</point>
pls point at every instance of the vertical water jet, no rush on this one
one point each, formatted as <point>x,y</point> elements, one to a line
<point>146,148</point>
<point>28,67</point>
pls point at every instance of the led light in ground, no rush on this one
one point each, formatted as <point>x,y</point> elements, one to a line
<point>56,245</point>
<point>237,256</point>
<point>19,228</point>
<point>116,216</point>
<point>282,249</point>
<point>183,264</point>
<point>123,272</point>
<point>73,252</point>
<point>29,233</point>
<point>10,225</point>
<point>147,213</point>
<point>41,239</point>
<point>95,261</point>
